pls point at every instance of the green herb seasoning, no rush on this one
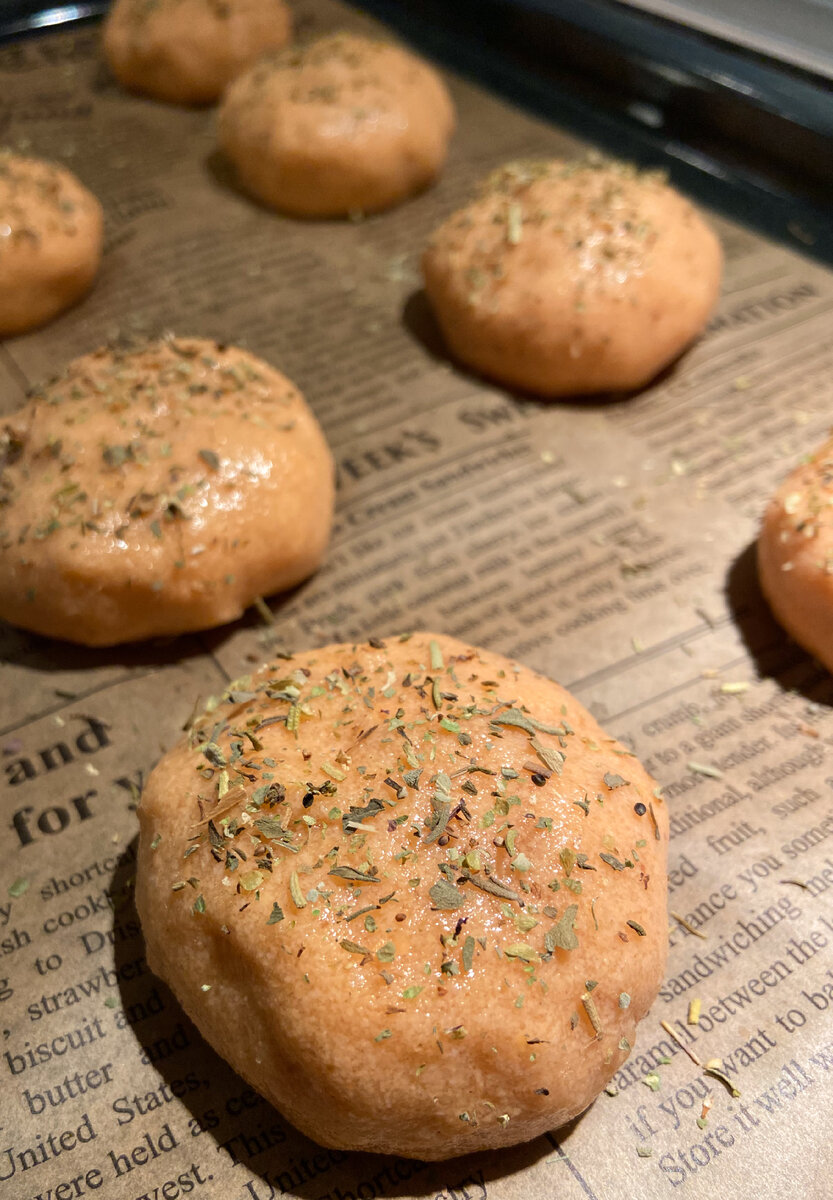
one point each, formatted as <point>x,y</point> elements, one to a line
<point>295,891</point>
<point>445,896</point>
<point>562,935</point>
<point>613,781</point>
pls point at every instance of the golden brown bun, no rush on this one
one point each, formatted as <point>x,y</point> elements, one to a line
<point>572,278</point>
<point>343,124</point>
<point>188,51</point>
<point>426,908</point>
<point>50,242</point>
<point>158,490</point>
<point>795,554</point>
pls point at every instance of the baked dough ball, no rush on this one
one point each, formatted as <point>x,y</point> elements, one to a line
<point>423,903</point>
<point>343,124</point>
<point>157,490</point>
<point>50,241</point>
<point>571,278</point>
<point>795,554</point>
<point>188,51</point>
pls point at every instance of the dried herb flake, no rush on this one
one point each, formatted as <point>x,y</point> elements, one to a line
<point>523,951</point>
<point>562,934</point>
<point>446,896</point>
<point>353,947</point>
<point>295,891</point>
<point>352,874</point>
<point>614,781</point>
<point>251,881</point>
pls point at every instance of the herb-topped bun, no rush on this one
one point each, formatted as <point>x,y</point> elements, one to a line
<point>158,490</point>
<point>345,124</point>
<point>410,890</point>
<point>572,278</point>
<point>795,554</point>
<point>188,51</point>
<point>50,242</point>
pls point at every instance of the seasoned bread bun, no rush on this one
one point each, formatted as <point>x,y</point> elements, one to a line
<point>158,490</point>
<point>50,242</point>
<point>410,890</point>
<point>565,278</point>
<point>795,554</point>
<point>188,51</point>
<point>345,124</point>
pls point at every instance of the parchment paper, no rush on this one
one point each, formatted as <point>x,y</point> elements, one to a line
<point>604,543</point>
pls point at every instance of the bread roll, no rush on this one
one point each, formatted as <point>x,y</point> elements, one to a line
<point>571,278</point>
<point>188,51</point>
<point>158,490</point>
<point>50,242</point>
<point>795,554</point>
<point>345,124</point>
<point>410,890</point>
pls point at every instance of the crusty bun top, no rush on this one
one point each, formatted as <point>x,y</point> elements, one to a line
<point>188,51</point>
<point>569,277</point>
<point>50,241</point>
<point>603,219</point>
<point>339,124</point>
<point>410,890</point>
<point>39,199</point>
<point>157,489</point>
<point>795,553</point>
